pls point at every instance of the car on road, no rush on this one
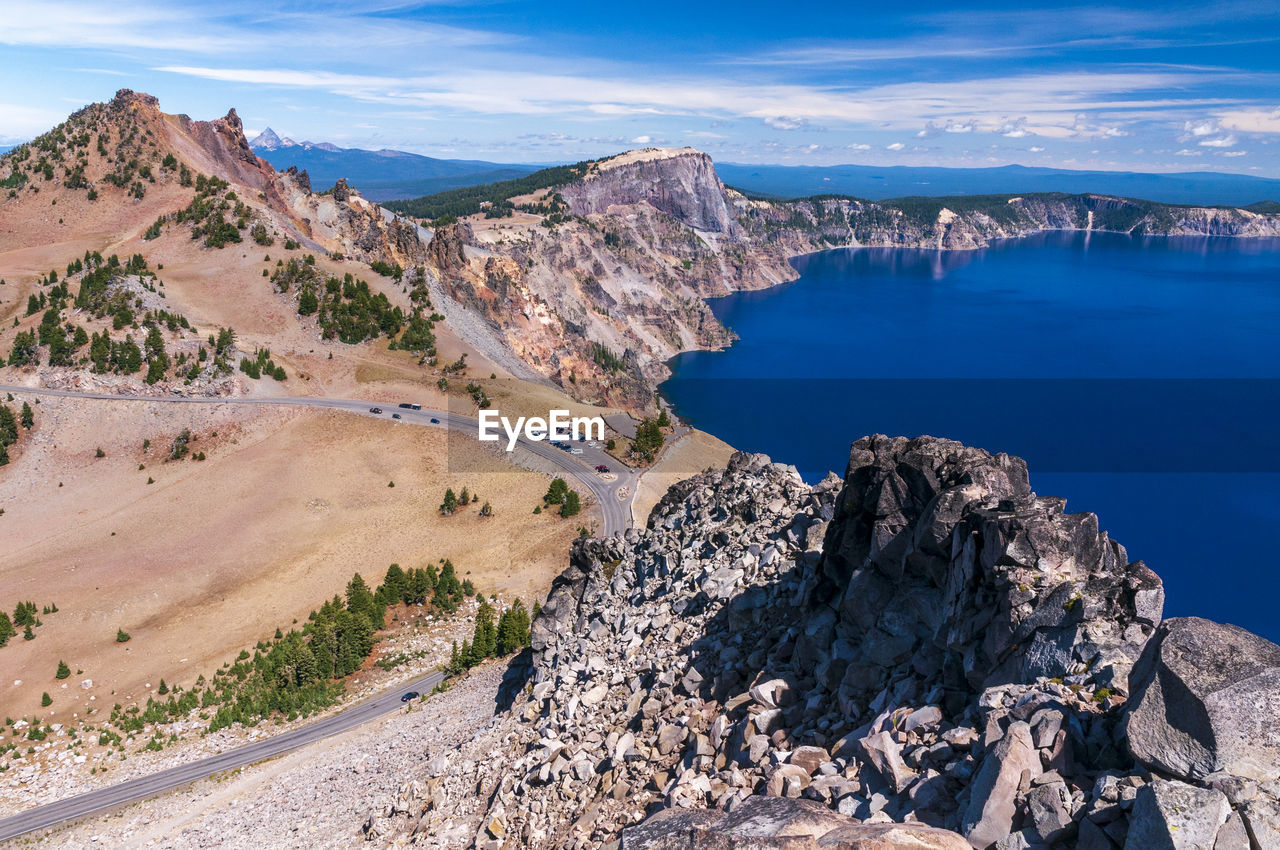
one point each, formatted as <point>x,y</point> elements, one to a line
<point>409,696</point>
<point>435,421</point>
<point>375,410</point>
<point>600,467</point>
<point>409,406</point>
<point>395,416</point>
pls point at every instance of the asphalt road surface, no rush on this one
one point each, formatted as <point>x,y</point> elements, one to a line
<point>616,516</point>
<point>142,787</point>
<point>615,511</point>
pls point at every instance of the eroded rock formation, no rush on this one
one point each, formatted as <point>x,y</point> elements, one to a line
<point>925,643</point>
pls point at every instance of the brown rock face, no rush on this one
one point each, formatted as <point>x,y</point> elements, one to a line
<point>682,184</point>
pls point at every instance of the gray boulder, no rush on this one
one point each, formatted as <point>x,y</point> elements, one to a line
<point>1206,699</point>
<point>992,806</point>
<point>1171,815</point>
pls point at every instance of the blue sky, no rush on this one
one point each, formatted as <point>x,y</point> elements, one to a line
<point>1179,87</point>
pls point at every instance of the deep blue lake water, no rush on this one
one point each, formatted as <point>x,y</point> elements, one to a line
<point>1139,377</point>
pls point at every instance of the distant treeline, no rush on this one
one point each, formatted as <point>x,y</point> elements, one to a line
<point>469,200</point>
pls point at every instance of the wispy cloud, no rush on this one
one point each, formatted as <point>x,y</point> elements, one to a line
<point>1051,104</point>
<point>228,28</point>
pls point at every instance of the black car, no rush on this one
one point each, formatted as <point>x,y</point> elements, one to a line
<point>375,410</point>
<point>409,696</point>
<point>395,416</point>
<point>435,421</point>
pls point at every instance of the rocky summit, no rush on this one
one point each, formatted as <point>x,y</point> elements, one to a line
<point>925,654</point>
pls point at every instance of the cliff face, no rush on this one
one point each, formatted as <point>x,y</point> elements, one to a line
<point>618,280</point>
<point>925,642</point>
<point>681,183</point>
<point>641,239</point>
<point>968,223</point>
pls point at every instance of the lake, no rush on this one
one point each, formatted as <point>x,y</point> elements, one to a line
<point>1138,376</point>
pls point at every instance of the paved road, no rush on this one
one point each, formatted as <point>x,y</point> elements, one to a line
<point>616,517</point>
<point>143,787</point>
<point>615,511</point>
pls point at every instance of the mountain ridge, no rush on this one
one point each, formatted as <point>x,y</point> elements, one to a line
<point>383,174</point>
<point>622,253</point>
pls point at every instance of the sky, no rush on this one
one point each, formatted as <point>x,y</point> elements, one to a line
<point>1132,86</point>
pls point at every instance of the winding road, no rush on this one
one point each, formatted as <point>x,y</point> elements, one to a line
<point>615,511</point>
<point>142,787</point>
<point>615,515</point>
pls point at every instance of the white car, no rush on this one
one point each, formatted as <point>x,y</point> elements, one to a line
<point>575,450</point>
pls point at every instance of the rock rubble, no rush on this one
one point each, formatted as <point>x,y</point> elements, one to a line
<point>920,654</point>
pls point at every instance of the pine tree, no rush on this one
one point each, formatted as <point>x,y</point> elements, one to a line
<point>6,629</point>
<point>450,503</point>
<point>8,426</point>
<point>164,687</point>
<point>455,661</point>
<point>556,492</point>
<point>28,418</point>
<point>465,497</point>
<point>572,504</point>
<point>63,670</point>
<point>513,629</point>
<point>485,640</point>
<point>46,700</point>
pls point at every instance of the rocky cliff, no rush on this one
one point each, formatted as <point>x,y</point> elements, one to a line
<point>924,643</point>
<point>621,256</point>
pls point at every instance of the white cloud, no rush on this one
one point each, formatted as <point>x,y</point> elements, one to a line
<point>1036,149</point>
<point>856,146</point>
<point>642,140</point>
<point>896,146</point>
<point>1232,153</point>
<point>1193,129</point>
<point>1015,129</point>
<point>1185,152</point>
<point>1252,120</point>
<point>1054,105</point>
<point>1227,141</point>
<point>784,122</point>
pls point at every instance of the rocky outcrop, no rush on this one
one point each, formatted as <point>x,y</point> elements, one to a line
<point>1207,702</point>
<point>341,221</point>
<point>925,643</point>
<point>779,822</point>
<point>681,183</point>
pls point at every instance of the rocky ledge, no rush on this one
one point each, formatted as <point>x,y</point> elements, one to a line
<point>924,654</point>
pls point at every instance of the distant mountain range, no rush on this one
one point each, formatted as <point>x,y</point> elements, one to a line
<point>383,174</point>
<point>877,183</point>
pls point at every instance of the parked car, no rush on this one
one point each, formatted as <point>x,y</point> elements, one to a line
<point>395,416</point>
<point>409,696</point>
<point>575,451</point>
<point>601,468</point>
<point>375,410</point>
